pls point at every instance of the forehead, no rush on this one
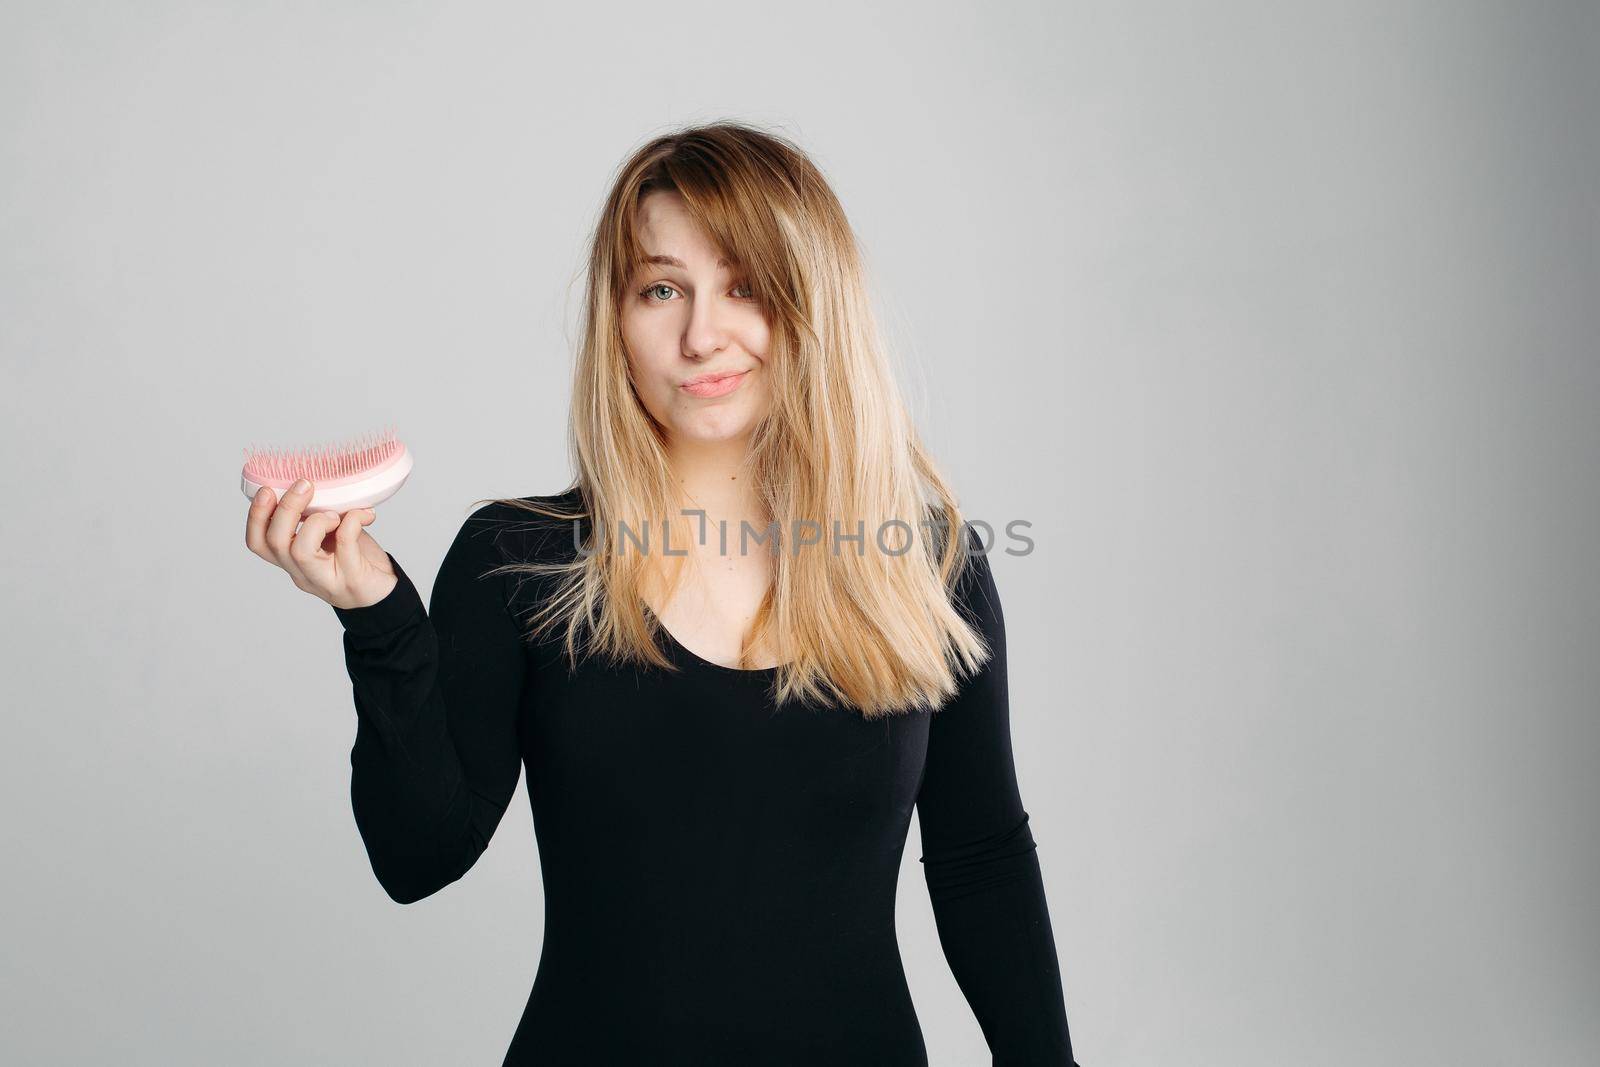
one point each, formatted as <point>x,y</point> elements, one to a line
<point>670,236</point>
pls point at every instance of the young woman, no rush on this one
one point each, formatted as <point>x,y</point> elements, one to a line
<point>733,655</point>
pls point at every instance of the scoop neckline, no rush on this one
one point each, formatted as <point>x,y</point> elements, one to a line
<point>697,660</point>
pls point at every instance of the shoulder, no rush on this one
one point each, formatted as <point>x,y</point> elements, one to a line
<point>971,587</point>
<point>529,528</point>
<point>975,592</point>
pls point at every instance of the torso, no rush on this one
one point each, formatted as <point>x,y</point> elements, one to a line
<point>719,871</point>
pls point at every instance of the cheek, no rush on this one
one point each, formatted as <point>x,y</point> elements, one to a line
<point>641,344</point>
<point>755,338</point>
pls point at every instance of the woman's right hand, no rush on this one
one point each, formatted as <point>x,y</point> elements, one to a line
<point>331,556</point>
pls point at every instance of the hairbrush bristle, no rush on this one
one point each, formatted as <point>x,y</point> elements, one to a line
<point>321,463</point>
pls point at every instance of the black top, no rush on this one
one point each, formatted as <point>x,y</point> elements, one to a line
<point>719,875</point>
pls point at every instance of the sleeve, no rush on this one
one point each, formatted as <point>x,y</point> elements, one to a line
<point>979,857</point>
<point>436,755</point>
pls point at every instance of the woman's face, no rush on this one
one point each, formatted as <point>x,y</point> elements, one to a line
<point>683,321</point>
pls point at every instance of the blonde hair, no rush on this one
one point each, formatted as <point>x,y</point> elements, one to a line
<point>876,631</point>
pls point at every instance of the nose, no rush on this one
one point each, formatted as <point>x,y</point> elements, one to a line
<point>706,333</point>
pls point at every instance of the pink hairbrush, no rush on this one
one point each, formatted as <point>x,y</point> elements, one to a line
<point>342,479</point>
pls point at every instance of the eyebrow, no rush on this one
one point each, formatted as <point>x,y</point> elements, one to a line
<point>674,261</point>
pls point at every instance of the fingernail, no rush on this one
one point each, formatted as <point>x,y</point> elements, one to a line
<point>301,486</point>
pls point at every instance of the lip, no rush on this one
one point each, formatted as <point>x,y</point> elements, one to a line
<point>710,385</point>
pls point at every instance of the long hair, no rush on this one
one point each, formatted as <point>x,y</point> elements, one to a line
<point>871,623</point>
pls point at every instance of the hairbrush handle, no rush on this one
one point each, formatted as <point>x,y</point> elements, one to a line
<point>341,481</point>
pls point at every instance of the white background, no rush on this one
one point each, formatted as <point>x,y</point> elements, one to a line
<point>1277,320</point>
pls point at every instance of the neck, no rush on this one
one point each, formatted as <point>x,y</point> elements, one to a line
<point>713,476</point>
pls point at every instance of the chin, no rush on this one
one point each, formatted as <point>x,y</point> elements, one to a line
<point>707,431</point>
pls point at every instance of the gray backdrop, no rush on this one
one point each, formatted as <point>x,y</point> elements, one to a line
<point>1278,321</point>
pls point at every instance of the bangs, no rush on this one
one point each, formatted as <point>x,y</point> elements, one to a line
<point>737,203</point>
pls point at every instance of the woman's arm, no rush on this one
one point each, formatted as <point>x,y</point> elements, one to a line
<point>436,758</point>
<point>979,860</point>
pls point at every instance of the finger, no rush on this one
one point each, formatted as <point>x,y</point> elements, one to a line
<point>285,519</point>
<point>255,522</point>
<point>306,549</point>
<point>317,571</point>
<point>347,540</point>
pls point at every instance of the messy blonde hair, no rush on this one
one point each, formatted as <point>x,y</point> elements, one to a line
<point>876,630</point>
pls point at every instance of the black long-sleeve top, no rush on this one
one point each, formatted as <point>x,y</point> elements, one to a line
<point>719,874</point>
